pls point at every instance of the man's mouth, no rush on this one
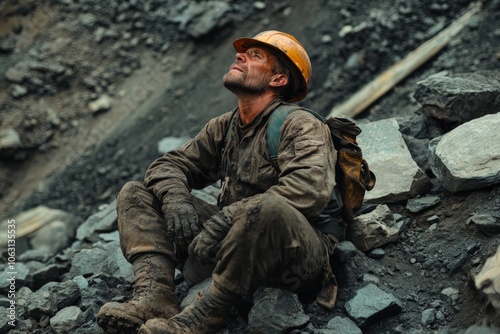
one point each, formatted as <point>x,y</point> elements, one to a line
<point>237,68</point>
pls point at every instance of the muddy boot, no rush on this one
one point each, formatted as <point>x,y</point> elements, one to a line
<point>207,313</point>
<point>154,297</point>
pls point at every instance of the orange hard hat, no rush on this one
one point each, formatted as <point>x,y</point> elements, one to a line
<point>289,50</point>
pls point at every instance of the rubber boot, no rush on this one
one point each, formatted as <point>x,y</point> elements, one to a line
<point>153,297</point>
<point>207,313</point>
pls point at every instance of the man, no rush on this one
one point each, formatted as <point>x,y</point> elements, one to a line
<point>261,232</point>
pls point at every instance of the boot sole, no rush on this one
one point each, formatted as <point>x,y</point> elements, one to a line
<point>119,323</point>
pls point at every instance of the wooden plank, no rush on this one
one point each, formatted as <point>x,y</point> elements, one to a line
<point>397,72</point>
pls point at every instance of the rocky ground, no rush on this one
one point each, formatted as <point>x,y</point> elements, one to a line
<point>90,88</point>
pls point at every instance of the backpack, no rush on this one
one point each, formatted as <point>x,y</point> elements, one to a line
<point>352,173</point>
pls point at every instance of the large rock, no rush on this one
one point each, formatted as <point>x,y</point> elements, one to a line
<point>398,176</point>
<point>67,319</point>
<point>486,223</point>
<point>419,149</point>
<point>344,251</point>
<point>41,232</point>
<point>372,304</point>
<point>51,298</point>
<point>102,258</point>
<point>101,221</point>
<point>49,240</point>
<point>419,126</point>
<point>468,157</point>
<point>416,205</point>
<point>276,311</point>
<point>461,97</point>
<point>417,129</point>
<point>373,229</point>
<point>341,325</point>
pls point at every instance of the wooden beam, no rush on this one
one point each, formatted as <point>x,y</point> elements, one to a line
<point>397,72</point>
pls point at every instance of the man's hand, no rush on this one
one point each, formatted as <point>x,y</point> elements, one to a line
<point>206,244</point>
<point>180,217</point>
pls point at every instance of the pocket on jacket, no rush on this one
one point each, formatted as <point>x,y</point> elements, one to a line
<point>310,151</point>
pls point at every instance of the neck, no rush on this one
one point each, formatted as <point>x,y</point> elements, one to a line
<point>249,107</point>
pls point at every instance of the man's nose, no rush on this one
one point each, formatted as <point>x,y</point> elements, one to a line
<point>240,56</point>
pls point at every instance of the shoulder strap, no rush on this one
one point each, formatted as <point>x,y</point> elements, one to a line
<point>276,120</point>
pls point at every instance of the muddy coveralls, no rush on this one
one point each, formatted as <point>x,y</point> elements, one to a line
<point>272,240</point>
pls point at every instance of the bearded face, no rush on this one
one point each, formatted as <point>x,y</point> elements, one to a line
<point>250,73</point>
<point>245,83</point>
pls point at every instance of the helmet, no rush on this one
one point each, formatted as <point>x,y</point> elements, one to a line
<point>289,50</point>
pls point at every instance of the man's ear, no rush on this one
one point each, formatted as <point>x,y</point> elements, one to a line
<point>278,80</point>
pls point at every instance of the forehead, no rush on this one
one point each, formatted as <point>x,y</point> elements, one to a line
<point>265,51</point>
<point>270,57</point>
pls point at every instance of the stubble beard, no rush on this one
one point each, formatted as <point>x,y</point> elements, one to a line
<point>241,85</point>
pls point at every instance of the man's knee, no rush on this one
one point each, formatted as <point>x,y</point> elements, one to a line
<point>262,209</point>
<point>132,187</point>
<point>130,193</point>
<point>275,207</point>
<point>272,205</point>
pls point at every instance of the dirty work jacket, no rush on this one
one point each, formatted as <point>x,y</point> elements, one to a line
<point>306,162</point>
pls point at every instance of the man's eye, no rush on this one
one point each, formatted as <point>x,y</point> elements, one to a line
<point>255,54</point>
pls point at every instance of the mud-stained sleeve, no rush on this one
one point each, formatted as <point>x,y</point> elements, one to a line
<point>306,160</point>
<point>192,166</point>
